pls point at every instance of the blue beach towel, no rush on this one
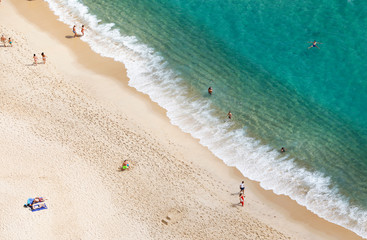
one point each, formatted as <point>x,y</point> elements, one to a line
<point>37,208</point>
<point>30,200</point>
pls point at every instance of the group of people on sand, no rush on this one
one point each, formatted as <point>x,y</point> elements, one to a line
<point>242,193</point>
<point>4,41</point>
<point>35,58</point>
<point>82,30</point>
<point>34,201</point>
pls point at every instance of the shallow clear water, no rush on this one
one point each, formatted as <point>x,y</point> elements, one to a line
<point>255,56</point>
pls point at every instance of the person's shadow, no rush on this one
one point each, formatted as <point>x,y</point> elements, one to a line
<point>72,36</point>
<point>236,193</point>
<point>236,205</point>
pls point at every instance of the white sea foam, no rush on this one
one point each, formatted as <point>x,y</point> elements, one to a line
<point>149,73</point>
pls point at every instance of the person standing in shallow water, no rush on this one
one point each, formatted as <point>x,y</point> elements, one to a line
<point>210,90</point>
<point>83,29</point>
<point>229,115</point>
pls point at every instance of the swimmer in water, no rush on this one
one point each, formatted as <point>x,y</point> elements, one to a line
<point>229,115</point>
<point>210,90</point>
<point>282,149</point>
<point>74,31</point>
<point>314,44</point>
<point>83,29</point>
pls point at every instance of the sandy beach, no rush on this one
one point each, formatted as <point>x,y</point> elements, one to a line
<point>66,127</point>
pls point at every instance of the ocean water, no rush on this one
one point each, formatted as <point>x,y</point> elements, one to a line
<point>255,56</point>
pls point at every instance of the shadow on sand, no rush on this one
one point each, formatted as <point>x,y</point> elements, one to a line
<point>236,205</point>
<point>72,36</point>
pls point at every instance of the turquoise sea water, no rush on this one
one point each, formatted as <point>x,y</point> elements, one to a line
<point>255,56</point>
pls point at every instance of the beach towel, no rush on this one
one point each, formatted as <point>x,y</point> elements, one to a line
<point>30,200</point>
<point>39,206</point>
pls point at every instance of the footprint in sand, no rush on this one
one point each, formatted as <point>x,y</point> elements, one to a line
<point>173,216</point>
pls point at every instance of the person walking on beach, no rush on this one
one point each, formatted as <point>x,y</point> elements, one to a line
<point>10,42</point>
<point>229,115</point>
<point>83,29</point>
<point>43,57</point>
<point>242,199</point>
<point>74,30</point>
<point>35,58</point>
<point>314,44</point>
<point>242,187</point>
<point>3,40</point>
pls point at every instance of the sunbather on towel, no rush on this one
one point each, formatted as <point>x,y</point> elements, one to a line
<point>38,205</point>
<point>36,200</point>
<point>125,165</point>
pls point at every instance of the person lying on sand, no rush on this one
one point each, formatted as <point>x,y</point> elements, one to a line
<point>125,165</point>
<point>3,40</point>
<point>36,200</point>
<point>38,206</point>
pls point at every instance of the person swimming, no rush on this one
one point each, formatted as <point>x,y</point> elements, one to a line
<point>210,90</point>
<point>314,44</point>
<point>282,149</point>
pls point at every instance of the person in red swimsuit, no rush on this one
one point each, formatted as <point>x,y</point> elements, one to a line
<point>242,199</point>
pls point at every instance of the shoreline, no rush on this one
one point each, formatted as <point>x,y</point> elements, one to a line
<point>289,215</point>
